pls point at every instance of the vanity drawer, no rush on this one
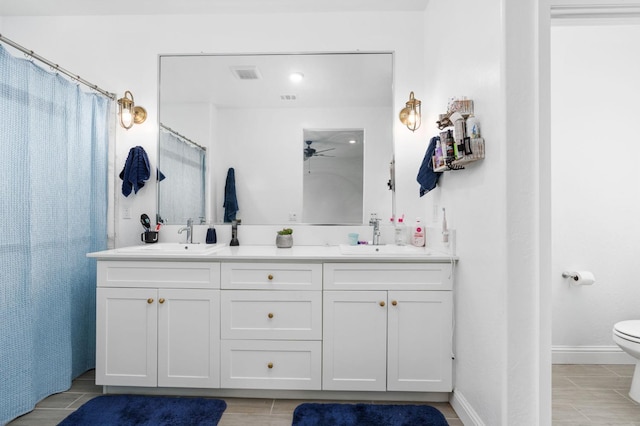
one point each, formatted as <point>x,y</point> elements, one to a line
<point>265,314</point>
<point>271,364</point>
<point>271,276</point>
<point>158,274</point>
<point>388,276</point>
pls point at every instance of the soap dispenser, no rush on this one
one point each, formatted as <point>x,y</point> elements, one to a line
<point>212,238</point>
<point>417,234</point>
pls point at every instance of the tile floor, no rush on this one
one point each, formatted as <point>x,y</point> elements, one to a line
<point>593,395</point>
<point>239,412</point>
<point>583,395</point>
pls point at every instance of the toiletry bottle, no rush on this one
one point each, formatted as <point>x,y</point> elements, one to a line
<point>439,156</point>
<point>400,232</point>
<point>418,234</point>
<point>473,127</point>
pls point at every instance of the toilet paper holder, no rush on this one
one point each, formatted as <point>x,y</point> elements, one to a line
<point>580,278</point>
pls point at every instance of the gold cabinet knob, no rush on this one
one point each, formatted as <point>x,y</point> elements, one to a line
<point>394,302</point>
<point>270,277</point>
<point>150,300</point>
<point>382,303</point>
<point>270,365</point>
<point>270,315</point>
<point>161,300</point>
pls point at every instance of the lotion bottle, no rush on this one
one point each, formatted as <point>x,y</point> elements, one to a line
<point>418,234</point>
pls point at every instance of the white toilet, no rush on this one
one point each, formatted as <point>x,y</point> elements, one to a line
<point>626,334</point>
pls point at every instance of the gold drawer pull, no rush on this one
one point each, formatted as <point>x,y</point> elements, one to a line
<point>270,277</point>
<point>382,303</point>
<point>149,300</point>
<point>394,302</point>
<point>270,315</point>
<point>161,300</point>
<point>270,365</point>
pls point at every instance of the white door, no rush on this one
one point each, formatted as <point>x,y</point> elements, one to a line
<point>126,336</point>
<point>189,338</point>
<point>354,340</point>
<point>419,333</point>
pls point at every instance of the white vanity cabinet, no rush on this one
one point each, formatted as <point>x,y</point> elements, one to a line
<point>271,325</point>
<point>158,324</point>
<point>306,323</point>
<point>387,326</point>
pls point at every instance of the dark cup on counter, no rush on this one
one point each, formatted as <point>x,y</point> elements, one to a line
<point>149,237</point>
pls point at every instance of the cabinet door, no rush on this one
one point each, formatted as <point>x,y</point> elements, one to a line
<point>420,329</point>
<point>126,336</point>
<point>189,338</point>
<point>354,340</point>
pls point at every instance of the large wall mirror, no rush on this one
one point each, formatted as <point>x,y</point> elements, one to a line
<point>313,150</point>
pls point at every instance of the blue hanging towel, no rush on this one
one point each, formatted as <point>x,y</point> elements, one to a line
<point>136,170</point>
<point>427,177</point>
<point>230,200</point>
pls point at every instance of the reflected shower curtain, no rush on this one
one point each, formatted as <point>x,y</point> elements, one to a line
<point>181,192</point>
<point>53,175</point>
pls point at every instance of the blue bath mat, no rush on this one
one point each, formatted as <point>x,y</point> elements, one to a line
<point>367,414</point>
<point>138,410</point>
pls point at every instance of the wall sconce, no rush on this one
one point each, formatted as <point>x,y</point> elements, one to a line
<point>411,115</point>
<point>129,113</point>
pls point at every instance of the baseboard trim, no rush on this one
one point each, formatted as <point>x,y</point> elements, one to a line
<point>464,410</point>
<point>590,355</point>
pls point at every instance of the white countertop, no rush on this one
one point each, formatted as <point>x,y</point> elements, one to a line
<point>216,252</point>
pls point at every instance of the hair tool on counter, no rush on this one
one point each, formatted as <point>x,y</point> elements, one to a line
<point>146,222</point>
<point>148,236</point>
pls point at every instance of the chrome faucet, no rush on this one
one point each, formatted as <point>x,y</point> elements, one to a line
<point>189,229</point>
<point>375,222</point>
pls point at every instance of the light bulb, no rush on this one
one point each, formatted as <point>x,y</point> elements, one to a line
<point>126,116</point>
<point>296,77</point>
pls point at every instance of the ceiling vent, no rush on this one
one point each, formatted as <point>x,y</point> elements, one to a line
<point>246,72</point>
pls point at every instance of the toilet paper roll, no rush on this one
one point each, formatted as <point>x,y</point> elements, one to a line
<point>583,278</point>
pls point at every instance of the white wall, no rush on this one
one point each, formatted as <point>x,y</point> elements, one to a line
<point>595,83</point>
<point>489,55</point>
<point>474,197</point>
<point>136,41</point>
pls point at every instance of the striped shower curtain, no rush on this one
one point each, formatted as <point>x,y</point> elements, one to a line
<point>53,210</point>
<point>181,192</point>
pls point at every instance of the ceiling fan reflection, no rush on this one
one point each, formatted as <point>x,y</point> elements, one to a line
<point>312,152</point>
<point>309,152</point>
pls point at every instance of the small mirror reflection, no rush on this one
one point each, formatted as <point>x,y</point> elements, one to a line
<point>333,176</point>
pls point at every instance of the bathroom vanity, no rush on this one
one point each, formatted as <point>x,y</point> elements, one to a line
<point>314,319</point>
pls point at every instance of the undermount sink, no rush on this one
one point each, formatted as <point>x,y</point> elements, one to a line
<point>172,249</point>
<point>386,249</point>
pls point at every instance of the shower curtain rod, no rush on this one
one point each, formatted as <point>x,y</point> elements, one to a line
<point>32,54</point>
<point>184,138</point>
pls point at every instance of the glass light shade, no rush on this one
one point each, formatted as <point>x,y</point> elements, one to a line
<point>125,107</point>
<point>411,114</point>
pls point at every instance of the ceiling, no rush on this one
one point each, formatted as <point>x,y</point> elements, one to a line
<point>191,7</point>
